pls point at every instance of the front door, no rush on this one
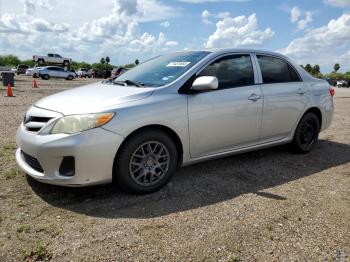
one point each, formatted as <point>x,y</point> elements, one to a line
<point>229,117</point>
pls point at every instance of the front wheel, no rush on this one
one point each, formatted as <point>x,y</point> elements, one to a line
<point>306,133</point>
<point>70,77</point>
<point>146,162</point>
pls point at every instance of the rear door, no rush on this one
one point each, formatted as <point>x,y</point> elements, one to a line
<point>285,97</point>
<point>229,117</point>
<point>54,71</point>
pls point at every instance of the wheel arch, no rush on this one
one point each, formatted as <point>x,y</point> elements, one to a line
<point>317,112</point>
<point>167,130</point>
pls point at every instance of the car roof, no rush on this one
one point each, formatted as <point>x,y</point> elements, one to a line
<point>236,50</point>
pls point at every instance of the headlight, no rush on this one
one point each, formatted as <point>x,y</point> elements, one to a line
<point>77,123</point>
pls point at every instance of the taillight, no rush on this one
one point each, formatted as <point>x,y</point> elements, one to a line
<point>332,91</point>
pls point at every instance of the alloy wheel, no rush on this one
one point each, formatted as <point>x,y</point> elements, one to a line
<point>149,163</point>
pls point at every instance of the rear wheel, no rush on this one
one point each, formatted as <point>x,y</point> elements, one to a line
<point>65,63</point>
<point>45,77</point>
<point>41,61</point>
<point>146,162</point>
<point>306,133</point>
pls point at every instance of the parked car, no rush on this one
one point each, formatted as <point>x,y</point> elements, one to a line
<point>21,69</point>
<point>118,71</point>
<point>55,72</point>
<point>173,110</point>
<point>52,59</point>
<point>34,71</point>
<point>342,83</point>
<point>84,72</point>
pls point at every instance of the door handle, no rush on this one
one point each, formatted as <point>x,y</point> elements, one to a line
<point>254,97</point>
<point>301,91</point>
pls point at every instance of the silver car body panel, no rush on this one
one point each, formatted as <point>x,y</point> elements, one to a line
<point>209,124</point>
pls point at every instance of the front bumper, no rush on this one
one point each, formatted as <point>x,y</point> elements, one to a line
<point>93,151</point>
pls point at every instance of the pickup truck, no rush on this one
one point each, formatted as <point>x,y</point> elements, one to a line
<point>52,59</point>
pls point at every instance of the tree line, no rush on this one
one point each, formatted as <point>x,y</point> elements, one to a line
<point>103,64</point>
<point>316,72</point>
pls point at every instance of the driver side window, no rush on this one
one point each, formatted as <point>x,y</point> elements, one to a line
<point>231,71</point>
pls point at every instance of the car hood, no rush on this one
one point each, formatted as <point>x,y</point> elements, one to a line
<point>92,98</point>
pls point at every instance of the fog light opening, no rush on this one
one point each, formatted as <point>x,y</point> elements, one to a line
<point>67,167</point>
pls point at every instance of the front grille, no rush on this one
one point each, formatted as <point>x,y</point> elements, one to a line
<point>32,162</point>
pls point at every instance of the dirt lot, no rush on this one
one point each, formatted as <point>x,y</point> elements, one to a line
<point>269,205</point>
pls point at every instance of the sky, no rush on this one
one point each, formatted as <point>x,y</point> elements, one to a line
<point>308,31</point>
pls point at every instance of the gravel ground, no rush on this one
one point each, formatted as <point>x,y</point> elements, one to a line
<point>268,205</point>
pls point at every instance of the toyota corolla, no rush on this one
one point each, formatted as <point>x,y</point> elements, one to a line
<point>170,111</point>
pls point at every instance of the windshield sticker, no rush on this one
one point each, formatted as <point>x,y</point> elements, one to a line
<point>178,64</point>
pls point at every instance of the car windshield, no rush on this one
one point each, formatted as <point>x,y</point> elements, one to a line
<point>161,70</point>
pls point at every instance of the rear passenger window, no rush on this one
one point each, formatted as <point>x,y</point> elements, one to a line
<point>231,71</point>
<point>274,70</point>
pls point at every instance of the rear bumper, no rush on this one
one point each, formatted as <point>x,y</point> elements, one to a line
<point>93,151</point>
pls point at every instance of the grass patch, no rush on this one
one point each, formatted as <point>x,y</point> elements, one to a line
<point>51,230</point>
<point>269,227</point>
<point>23,228</point>
<point>37,252</point>
<point>233,258</point>
<point>9,147</point>
<point>9,174</point>
<point>7,151</point>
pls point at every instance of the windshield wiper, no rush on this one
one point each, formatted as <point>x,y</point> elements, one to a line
<point>129,82</point>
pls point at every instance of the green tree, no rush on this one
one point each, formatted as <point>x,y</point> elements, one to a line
<point>102,61</point>
<point>10,60</point>
<point>107,59</point>
<point>28,62</point>
<point>336,67</point>
<point>316,69</point>
<point>308,68</point>
<point>100,66</point>
<point>137,62</point>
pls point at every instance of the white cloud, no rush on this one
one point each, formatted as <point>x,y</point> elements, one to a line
<point>302,24</point>
<point>205,17</point>
<point>295,14</point>
<point>28,7</point>
<point>237,32</point>
<point>47,4</point>
<point>171,43</point>
<point>165,24</point>
<point>296,17</point>
<point>323,45</point>
<point>338,3</point>
<point>116,33</point>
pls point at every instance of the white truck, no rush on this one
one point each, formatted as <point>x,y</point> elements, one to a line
<point>52,59</point>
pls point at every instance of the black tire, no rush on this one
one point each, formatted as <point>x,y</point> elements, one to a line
<point>306,133</point>
<point>122,168</point>
<point>70,77</point>
<point>36,75</point>
<point>65,63</point>
<point>45,77</point>
<point>41,61</point>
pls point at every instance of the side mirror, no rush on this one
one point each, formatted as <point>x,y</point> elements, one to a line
<point>205,83</point>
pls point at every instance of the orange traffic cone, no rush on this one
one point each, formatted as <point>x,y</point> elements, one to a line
<point>9,91</point>
<point>34,84</point>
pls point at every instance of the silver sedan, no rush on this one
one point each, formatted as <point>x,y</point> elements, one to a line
<point>55,72</point>
<point>171,111</point>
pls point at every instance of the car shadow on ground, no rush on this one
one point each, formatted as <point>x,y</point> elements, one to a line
<point>202,184</point>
